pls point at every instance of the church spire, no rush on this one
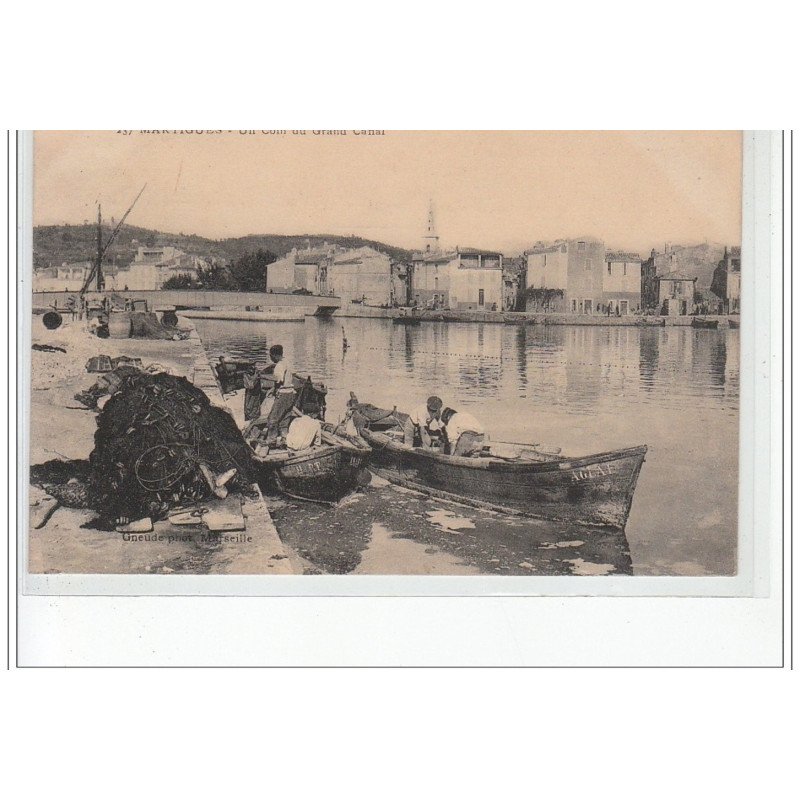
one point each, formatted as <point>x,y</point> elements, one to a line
<point>431,237</point>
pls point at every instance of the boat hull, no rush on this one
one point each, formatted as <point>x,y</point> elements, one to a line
<point>594,490</point>
<point>707,324</point>
<point>325,472</point>
<point>324,475</point>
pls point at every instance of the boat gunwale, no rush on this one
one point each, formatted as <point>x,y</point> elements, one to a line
<point>315,453</point>
<point>558,463</point>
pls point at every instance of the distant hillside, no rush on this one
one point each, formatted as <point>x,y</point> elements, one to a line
<point>55,244</point>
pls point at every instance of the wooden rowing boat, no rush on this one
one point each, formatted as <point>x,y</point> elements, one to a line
<point>324,473</point>
<point>230,376</point>
<point>701,322</point>
<point>405,318</point>
<point>651,322</point>
<point>230,373</point>
<point>516,478</point>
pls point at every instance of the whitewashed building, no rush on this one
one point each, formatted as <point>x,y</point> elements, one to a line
<point>464,279</point>
<point>66,278</point>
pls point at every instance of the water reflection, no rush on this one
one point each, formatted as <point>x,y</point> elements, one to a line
<point>648,357</point>
<point>580,369</point>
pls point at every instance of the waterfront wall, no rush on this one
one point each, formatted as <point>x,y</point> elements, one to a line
<point>529,318</point>
<point>200,299</point>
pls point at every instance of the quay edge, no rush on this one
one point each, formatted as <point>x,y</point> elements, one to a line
<point>530,318</point>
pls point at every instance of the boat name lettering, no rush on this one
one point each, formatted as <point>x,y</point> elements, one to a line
<point>592,471</point>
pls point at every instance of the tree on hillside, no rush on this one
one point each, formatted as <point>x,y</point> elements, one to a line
<point>215,277</point>
<point>249,273</point>
<point>179,282</point>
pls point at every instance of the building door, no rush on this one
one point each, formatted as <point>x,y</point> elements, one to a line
<point>623,308</point>
<point>480,297</point>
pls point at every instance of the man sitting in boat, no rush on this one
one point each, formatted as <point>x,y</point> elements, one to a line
<point>304,432</point>
<point>423,426</point>
<point>464,435</point>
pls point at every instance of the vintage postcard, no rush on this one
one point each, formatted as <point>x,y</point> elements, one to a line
<point>344,353</point>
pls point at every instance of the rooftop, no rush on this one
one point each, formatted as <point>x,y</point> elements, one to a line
<point>450,255</point>
<point>544,248</point>
<point>474,251</point>
<point>675,275</point>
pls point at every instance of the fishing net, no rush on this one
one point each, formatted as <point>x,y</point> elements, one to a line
<point>64,480</point>
<point>146,325</point>
<point>158,440</point>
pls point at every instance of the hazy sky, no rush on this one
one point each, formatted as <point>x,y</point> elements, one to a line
<point>502,190</point>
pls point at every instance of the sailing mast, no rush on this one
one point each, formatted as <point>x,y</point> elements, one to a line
<point>97,267</point>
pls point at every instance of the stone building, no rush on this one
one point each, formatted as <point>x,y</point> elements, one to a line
<point>401,284</point>
<point>514,283</point>
<point>476,281</point>
<point>727,281</point>
<point>675,294</point>
<point>577,276</point>
<point>463,279</point>
<point>430,279</point>
<point>151,268</point>
<point>622,284</point>
<point>66,278</point>
<point>302,269</point>
<point>362,275</point>
<point>649,283</point>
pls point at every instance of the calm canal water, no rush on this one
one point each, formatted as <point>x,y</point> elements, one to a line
<point>584,389</point>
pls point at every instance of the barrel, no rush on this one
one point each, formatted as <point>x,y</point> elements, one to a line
<point>52,320</point>
<point>119,325</point>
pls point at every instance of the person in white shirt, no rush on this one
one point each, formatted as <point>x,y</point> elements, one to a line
<point>423,423</point>
<point>465,435</point>
<point>304,432</point>
<point>282,371</point>
<point>285,395</point>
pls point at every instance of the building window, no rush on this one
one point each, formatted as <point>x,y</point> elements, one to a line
<point>609,267</point>
<point>624,269</point>
<point>480,297</point>
<point>581,246</point>
<point>544,263</point>
<point>574,306</point>
<point>588,265</point>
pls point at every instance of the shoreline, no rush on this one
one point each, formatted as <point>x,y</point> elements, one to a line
<point>532,318</point>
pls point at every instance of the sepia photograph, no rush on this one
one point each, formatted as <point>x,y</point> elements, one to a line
<point>389,353</point>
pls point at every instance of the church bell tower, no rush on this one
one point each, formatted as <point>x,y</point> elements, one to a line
<point>431,237</point>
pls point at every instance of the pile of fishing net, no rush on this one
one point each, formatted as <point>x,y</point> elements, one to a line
<point>160,444</point>
<point>146,325</point>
